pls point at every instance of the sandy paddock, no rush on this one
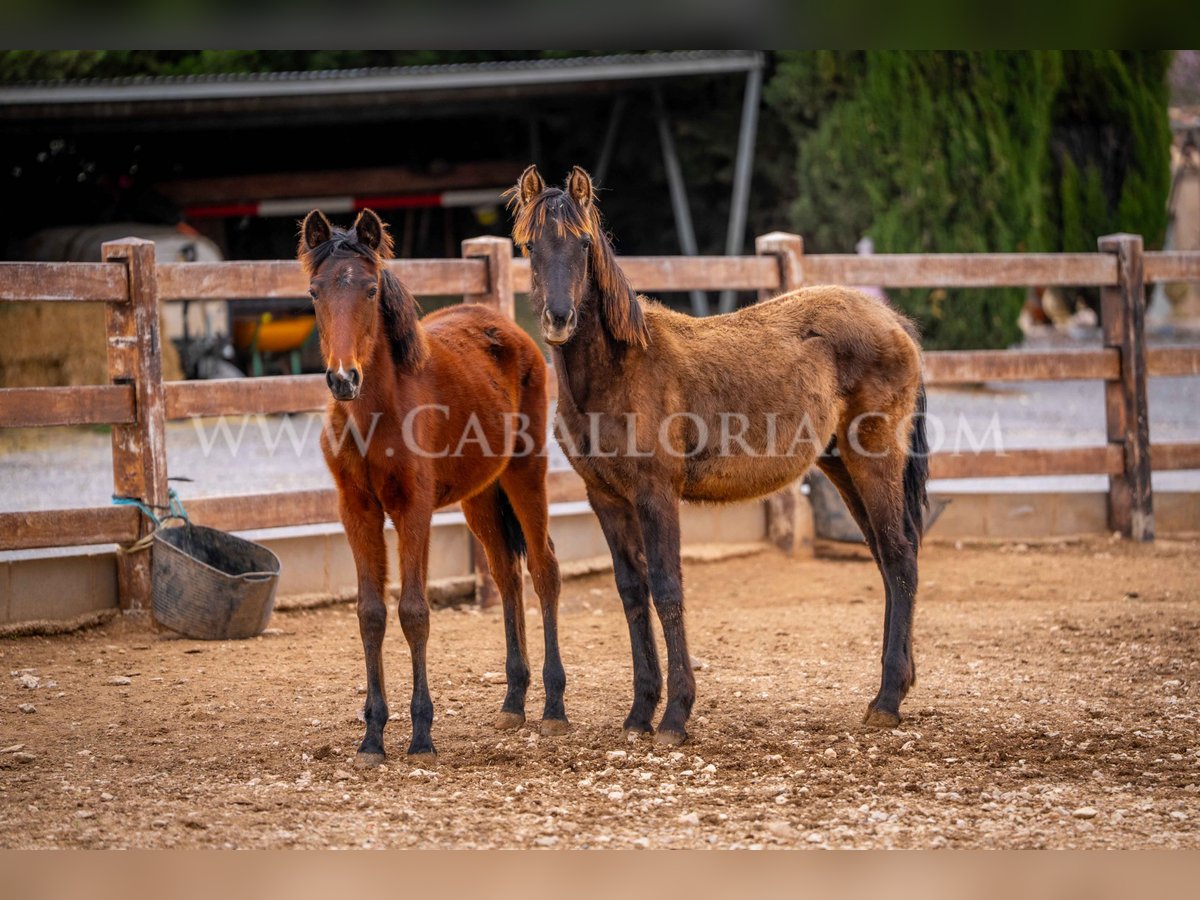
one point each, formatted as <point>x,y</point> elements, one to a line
<point>1056,707</point>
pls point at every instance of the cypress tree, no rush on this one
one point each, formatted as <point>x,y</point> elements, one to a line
<point>973,152</point>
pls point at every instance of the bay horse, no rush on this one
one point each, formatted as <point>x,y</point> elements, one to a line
<point>643,390</point>
<point>439,400</point>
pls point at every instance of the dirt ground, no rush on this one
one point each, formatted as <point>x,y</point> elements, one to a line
<point>1057,707</point>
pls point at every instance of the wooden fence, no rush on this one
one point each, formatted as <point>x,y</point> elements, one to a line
<point>137,403</point>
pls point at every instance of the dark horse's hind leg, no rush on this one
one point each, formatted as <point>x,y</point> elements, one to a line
<point>525,484</point>
<point>483,517</point>
<point>624,535</point>
<point>880,484</point>
<point>362,517</point>
<point>835,469</point>
<point>659,518</point>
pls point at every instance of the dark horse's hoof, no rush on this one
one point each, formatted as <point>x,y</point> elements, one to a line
<point>369,760</point>
<point>668,737</point>
<point>633,735</point>
<point>555,727</point>
<point>509,721</point>
<point>423,760</point>
<point>880,718</point>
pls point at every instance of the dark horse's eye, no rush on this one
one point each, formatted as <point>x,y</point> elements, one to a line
<point>585,243</point>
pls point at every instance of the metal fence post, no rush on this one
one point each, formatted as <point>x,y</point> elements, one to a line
<point>789,514</point>
<point>138,450</point>
<point>1123,322</point>
<point>497,254</point>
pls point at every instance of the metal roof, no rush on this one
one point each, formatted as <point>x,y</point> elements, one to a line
<point>409,82</point>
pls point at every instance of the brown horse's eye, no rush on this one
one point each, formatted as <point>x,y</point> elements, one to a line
<point>372,291</point>
<point>312,293</point>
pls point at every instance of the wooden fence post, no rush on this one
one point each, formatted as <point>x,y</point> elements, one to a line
<point>138,450</point>
<point>497,254</point>
<point>1123,322</point>
<point>789,513</point>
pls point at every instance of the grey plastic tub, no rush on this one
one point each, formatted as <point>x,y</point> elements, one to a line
<point>210,585</point>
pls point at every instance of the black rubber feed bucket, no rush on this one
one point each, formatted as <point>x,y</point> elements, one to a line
<point>210,585</point>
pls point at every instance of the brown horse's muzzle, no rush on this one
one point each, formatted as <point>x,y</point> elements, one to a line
<point>344,385</point>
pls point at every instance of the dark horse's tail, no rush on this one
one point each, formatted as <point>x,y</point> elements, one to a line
<point>916,473</point>
<point>514,537</point>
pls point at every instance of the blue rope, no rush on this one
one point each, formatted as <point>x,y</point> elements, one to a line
<point>174,507</point>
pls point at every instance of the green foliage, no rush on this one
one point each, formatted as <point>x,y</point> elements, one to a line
<point>973,152</point>
<point>1110,148</point>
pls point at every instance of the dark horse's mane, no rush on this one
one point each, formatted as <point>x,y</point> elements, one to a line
<point>401,312</point>
<point>621,307</point>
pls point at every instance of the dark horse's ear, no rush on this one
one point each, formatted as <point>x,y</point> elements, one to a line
<point>530,185</point>
<point>314,230</point>
<point>579,186</point>
<point>372,233</point>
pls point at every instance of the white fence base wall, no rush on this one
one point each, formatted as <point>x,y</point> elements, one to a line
<point>63,584</point>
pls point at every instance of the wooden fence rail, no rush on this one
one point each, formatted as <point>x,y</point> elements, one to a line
<point>137,403</point>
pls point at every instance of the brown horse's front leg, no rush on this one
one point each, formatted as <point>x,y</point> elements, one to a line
<point>659,519</point>
<point>362,518</point>
<point>414,620</point>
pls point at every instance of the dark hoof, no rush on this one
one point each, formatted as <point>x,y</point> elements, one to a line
<point>555,727</point>
<point>369,760</point>
<point>668,737</point>
<point>424,760</point>
<point>880,718</point>
<point>509,721</point>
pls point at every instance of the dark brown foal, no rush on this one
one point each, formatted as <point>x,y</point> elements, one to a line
<point>656,407</point>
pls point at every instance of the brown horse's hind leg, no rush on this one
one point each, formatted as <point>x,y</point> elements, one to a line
<point>624,535</point>
<point>484,517</point>
<point>362,518</point>
<point>525,484</point>
<point>880,481</point>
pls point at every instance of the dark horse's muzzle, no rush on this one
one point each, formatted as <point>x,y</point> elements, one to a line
<point>344,385</point>
<point>558,329</point>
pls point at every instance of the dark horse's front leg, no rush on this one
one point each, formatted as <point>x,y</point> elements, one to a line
<point>413,529</point>
<point>621,529</point>
<point>362,518</point>
<point>659,518</point>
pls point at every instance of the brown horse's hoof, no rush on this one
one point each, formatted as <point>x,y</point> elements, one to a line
<point>880,718</point>
<point>509,721</point>
<point>369,760</point>
<point>669,738</point>
<point>422,760</point>
<point>555,727</point>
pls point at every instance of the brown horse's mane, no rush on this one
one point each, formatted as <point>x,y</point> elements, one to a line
<point>556,208</point>
<point>400,309</point>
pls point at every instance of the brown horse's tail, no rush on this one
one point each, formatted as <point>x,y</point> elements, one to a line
<point>510,525</point>
<point>916,473</point>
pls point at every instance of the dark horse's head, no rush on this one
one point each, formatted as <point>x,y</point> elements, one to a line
<point>357,300</point>
<point>569,255</point>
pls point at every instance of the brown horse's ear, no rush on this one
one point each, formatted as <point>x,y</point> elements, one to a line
<point>530,185</point>
<point>579,186</point>
<point>372,233</point>
<point>314,230</point>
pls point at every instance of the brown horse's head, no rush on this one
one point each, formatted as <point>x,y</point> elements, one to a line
<point>569,254</point>
<point>357,300</point>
